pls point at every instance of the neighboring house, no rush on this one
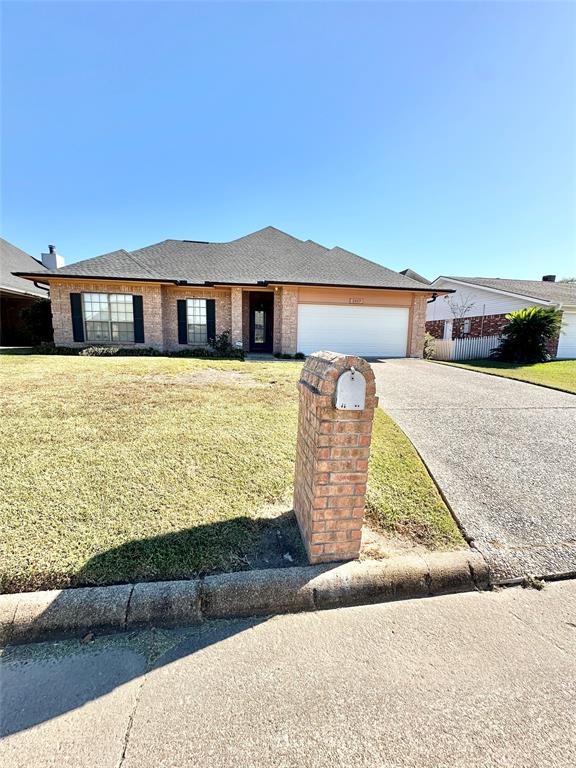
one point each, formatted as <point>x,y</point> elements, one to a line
<point>480,304</point>
<point>273,292</point>
<point>17,294</point>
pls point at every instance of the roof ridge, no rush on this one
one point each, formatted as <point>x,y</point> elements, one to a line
<point>477,277</point>
<point>264,229</point>
<point>373,263</point>
<point>139,264</point>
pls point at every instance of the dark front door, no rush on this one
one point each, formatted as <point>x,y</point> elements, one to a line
<point>261,321</point>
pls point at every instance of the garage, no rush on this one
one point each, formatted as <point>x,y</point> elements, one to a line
<point>353,330</point>
<point>567,340</point>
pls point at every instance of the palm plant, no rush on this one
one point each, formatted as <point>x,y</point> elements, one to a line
<point>525,337</point>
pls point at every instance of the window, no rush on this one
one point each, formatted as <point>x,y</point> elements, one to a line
<point>259,327</point>
<point>108,316</point>
<point>196,319</point>
<point>467,327</point>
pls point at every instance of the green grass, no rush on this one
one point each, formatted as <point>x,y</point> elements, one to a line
<point>125,469</point>
<point>557,374</point>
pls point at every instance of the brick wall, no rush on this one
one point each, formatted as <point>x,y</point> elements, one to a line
<point>236,316</point>
<point>332,452</point>
<point>489,325</point>
<point>170,296</point>
<point>435,328</point>
<point>62,318</point>
<point>159,307</point>
<point>246,320</point>
<point>277,342</point>
<point>417,329</point>
<point>289,320</point>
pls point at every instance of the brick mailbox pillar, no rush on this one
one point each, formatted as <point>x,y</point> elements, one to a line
<point>332,456</point>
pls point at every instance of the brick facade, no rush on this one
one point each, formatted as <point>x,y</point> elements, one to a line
<point>417,329</point>
<point>332,454</point>
<point>435,328</point>
<point>289,320</point>
<point>232,312</point>
<point>236,316</point>
<point>62,319</point>
<point>170,296</point>
<point>487,325</point>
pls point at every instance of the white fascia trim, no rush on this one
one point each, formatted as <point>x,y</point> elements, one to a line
<point>17,291</point>
<point>544,302</point>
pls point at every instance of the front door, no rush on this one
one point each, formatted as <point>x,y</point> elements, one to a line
<point>261,321</point>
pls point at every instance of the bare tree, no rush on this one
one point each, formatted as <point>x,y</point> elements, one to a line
<point>460,306</point>
<point>568,280</point>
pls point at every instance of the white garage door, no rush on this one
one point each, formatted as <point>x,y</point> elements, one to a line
<point>567,341</point>
<point>353,330</point>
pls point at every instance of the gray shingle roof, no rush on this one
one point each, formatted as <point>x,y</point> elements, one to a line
<point>536,289</point>
<point>268,255</point>
<point>414,275</point>
<point>13,259</point>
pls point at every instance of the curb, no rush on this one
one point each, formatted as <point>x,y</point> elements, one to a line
<point>29,617</point>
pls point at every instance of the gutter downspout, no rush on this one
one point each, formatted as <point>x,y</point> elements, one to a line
<point>41,287</point>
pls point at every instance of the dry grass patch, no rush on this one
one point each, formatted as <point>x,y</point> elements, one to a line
<point>123,469</point>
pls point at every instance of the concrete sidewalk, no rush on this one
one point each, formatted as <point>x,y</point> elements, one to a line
<point>475,680</point>
<point>504,454</point>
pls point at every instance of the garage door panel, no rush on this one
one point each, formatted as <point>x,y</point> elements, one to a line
<point>353,330</point>
<point>567,340</point>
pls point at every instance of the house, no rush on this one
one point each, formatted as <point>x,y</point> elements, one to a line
<point>273,292</point>
<point>479,305</point>
<point>17,294</point>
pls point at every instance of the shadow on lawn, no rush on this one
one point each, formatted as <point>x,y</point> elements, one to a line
<point>239,544</point>
<point>41,681</point>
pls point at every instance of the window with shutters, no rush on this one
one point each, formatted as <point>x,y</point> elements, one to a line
<point>108,317</point>
<point>197,321</point>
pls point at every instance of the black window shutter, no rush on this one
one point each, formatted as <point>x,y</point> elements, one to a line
<point>211,319</point>
<point>138,311</point>
<point>182,323</point>
<point>77,319</point>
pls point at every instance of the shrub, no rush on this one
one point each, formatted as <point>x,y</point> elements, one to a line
<point>99,351</point>
<point>299,356</point>
<point>202,352</point>
<point>223,347</point>
<point>429,346</point>
<point>525,336</point>
<point>139,352</point>
<point>106,351</point>
<point>46,348</point>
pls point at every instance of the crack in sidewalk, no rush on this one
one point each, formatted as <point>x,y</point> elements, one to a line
<point>131,716</point>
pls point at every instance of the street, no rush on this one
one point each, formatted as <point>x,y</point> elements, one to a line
<point>471,680</point>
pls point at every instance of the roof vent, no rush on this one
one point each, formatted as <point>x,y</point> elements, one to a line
<point>52,260</point>
<point>548,278</point>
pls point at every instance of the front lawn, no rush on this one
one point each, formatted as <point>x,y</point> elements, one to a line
<point>122,469</point>
<point>557,374</point>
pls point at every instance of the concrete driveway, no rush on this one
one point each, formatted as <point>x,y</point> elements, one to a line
<point>504,455</point>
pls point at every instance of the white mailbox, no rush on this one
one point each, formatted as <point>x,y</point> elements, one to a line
<point>351,391</point>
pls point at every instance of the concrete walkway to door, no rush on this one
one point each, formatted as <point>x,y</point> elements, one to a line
<point>504,455</point>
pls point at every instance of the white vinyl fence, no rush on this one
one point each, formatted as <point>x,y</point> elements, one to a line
<point>472,348</point>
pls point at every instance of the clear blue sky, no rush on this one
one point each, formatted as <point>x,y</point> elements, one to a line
<point>439,136</point>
